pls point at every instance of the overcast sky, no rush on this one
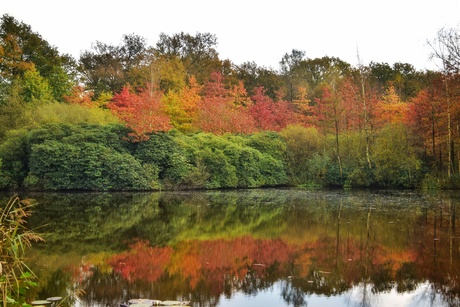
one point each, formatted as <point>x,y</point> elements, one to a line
<point>251,30</point>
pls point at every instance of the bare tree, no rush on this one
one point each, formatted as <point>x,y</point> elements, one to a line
<point>446,48</point>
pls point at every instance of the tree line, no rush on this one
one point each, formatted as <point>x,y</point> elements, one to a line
<point>175,115</point>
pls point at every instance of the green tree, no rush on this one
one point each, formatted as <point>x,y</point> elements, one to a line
<point>107,68</point>
<point>301,146</point>
<point>396,163</point>
<point>254,76</point>
<point>35,88</point>
<point>14,155</point>
<point>20,48</point>
<point>222,172</point>
<point>291,73</point>
<point>197,52</point>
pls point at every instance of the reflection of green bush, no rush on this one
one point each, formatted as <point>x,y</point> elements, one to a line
<point>95,222</point>
<point>322,226</point>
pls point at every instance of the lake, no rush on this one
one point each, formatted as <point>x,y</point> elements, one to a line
<point>261,247</point>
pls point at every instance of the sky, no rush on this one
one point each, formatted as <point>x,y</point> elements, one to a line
<point>387,31</point>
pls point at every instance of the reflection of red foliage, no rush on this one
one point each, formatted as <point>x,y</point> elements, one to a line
<point>142,262</point>
<point>358,259</point>
<point>215,262</point>
<point>196,260</point>
<point>212,260</point>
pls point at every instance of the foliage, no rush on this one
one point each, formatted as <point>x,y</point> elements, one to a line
<point>268,114</point>
<point>35,88</point>
<point>143,112</point>
<point>395,159</point>
<point>182,106</point>
<point>88,166</point>
<point>16,278</point>
<point>219,112</point>
<point>181,88</point>
<point>268,142</point>
<point>197,52</point>
<point>85,157</point>
<point>301,145</point>
<point>107,68</point>
<point>23,50</point>
<point>254,76</point>
<point>14,156</point>
<point>162,150</point>
<point>72,114</point>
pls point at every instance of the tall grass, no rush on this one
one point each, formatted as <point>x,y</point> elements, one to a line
<point>15,239</point>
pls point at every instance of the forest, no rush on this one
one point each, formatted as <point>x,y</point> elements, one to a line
<point>176,116</point>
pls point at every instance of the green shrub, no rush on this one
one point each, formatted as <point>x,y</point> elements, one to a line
<point>14,154</point>
<point>89,166</point>
<point>222,174</point>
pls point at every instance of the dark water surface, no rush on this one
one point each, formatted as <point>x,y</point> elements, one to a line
<point>275,247</point>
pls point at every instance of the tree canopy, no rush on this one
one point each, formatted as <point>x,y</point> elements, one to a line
<point>181,87</point>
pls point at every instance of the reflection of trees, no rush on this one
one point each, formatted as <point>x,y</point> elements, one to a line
<point>227,241</point>
<point>438,249</point>
<point>91,222</point>
<point>292,295</point>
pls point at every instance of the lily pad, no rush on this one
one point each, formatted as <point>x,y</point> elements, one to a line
<point>54,298</point>
<point>40,302</point>
<point>143,301</point>
<point>173,303</point>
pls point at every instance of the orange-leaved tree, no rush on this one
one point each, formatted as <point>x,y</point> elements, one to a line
<point>217,111</point>
<point>182,106</point>
<point>391,109</point>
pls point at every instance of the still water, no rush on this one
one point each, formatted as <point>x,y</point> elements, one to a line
<point>274,247</point>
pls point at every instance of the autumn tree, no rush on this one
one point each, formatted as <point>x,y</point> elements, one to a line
<point>424,117</point>
<point>142,112</point>
<point>391,108</point>
<point>330,110</point>
<point>182,106</point>
<point>270,115</point>
<point>218,112</point>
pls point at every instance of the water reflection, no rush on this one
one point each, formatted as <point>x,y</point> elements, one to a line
<point>239,248</point>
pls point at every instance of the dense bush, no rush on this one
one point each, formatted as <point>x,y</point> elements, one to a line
<point>87,166</point>
<point>15,160</point>
<point>62,156</point>
<point>302,144</point>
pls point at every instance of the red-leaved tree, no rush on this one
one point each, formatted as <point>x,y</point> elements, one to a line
<point>142,112</point>
<point>270,115</point>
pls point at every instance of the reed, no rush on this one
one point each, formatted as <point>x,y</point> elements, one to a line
<point>15,238</point>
